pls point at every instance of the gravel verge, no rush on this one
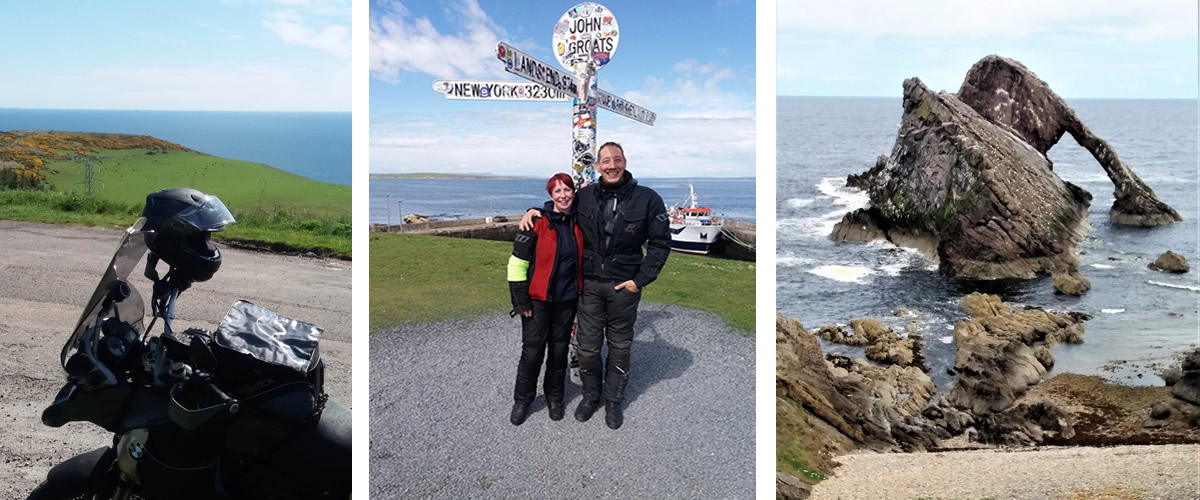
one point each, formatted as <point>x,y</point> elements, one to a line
<point>47,273</point>
<point>1075,473</point>
<point>441,395</point>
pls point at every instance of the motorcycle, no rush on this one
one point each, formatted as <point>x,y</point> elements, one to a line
<point>235,413</point>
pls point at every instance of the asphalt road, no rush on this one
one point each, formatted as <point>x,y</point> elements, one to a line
<point>47,273</point>
<point>441,395</point>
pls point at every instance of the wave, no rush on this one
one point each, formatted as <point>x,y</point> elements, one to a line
<point>792,261</point>
<point>799,202</point>
<point>1101,266</point>
<point>851,198</point>
<point>1169,285</point>
<point>1112,311</point>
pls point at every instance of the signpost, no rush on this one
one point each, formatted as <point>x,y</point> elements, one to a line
<point>498,90</point>
<point>584,40</point>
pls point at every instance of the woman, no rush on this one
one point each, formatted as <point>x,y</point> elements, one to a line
<point>544,277</point>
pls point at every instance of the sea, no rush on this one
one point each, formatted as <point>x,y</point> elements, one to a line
<point>315,145</point>
<point>1142,320</point>
<point>467,198</point>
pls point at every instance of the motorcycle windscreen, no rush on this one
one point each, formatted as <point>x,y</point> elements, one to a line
<point>133,309</point>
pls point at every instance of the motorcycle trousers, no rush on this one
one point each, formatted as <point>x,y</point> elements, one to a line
<point>605,314</point>
<point>548,330</point>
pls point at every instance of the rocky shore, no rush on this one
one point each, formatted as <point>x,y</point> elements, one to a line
<point>832,405</point>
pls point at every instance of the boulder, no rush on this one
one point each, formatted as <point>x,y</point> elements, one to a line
<point>1187,387</point>
<point>415,219</point>
<point>1025,425</point>
<point>1070,282</point>
<point>1171,375</point>
<point>1170,262</point>
<point>1044,356</point>
<point>1191,362</point>
<point>789,487</point>
<point>1160,410</point>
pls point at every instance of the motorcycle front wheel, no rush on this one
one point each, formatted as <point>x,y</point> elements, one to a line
<point>82,477</point>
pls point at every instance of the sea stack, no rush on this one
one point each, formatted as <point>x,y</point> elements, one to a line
<point>969,178</point>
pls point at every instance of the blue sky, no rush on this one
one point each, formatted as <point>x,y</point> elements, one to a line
<point>1094,49</point>
<point>690,62</point>
<point>244,55</point>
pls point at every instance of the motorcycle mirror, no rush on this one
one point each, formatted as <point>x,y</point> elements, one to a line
<point>117,292</point>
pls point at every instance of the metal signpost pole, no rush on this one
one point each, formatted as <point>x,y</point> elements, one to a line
<point>585,39</point>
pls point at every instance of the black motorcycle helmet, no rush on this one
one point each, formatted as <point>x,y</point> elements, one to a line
<point>182,220</point>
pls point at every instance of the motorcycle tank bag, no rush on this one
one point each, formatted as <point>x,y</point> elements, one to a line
<point>273,366</point>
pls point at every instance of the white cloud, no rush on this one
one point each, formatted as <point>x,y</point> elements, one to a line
<point>537,143</point>
<point>290,27</point>
<point>400,43</point>
<point>1134,21</point>
<point>701,130</point>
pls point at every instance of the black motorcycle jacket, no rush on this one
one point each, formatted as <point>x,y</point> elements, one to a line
<point>615,224</point>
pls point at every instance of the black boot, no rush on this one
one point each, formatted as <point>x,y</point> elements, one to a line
<point>556,410</point>
<point>585,410</point>
<point>519,410</point>
<point>612,415</point>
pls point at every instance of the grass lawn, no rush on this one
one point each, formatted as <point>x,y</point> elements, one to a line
<point>418,278</point>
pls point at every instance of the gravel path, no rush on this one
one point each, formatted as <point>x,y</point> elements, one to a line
<point>1123,472</point>
<point>441,395</point>
<point>47,273</point>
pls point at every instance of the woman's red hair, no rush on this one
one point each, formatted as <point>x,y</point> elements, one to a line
<point>560,177</point>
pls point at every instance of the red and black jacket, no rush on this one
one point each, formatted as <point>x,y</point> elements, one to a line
<point>537,256</point>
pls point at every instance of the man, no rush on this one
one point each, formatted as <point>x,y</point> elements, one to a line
<point>616,217</point>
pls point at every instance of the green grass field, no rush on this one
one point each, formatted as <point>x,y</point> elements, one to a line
<point>130,174</point>
<point>417,278</point>
<point>275,209</point>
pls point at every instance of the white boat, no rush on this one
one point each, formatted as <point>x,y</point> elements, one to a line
<point>693,229</point>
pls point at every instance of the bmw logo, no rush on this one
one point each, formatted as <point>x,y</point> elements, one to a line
<point>137,450</point>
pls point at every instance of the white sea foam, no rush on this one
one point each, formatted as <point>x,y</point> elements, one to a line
<point>851,198</point>
<point>846,274</point>
<point>799,202</point>
<point>1169,285</point>
<point>1112,311</point>
<point>805,227</point>
<point>1101,266</point>
<point>947,339</point>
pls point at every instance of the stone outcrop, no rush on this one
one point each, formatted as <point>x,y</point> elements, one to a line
<point>1070,282</point>
<point>415,219</point>
<point>1170,262</point>
<point>868,404</point>
<point>1187,387</point>
<point>971,173</point>
<point>881,344</point>
<point>1006,93</point>
<point>1025,425</point>
<point>996,361</point>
